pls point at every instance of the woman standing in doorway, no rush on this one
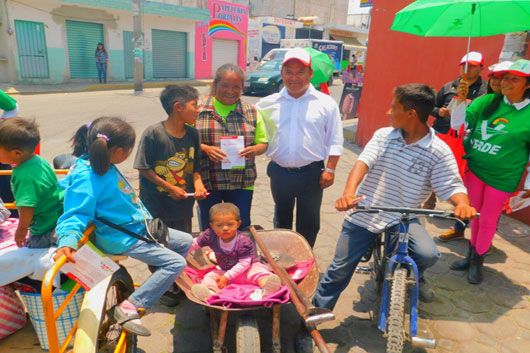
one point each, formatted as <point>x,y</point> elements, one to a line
<point>101,62</point>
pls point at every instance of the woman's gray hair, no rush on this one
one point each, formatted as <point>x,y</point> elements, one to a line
<point>223,71</point>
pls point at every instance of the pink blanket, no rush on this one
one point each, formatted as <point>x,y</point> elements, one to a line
<point>239,295</point>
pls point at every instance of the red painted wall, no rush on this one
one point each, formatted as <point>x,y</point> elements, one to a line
<point>396,58</point>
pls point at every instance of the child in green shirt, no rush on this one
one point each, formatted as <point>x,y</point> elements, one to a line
<point>33,182</point>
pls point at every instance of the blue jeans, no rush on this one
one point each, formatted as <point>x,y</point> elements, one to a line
<point>354,241</point>
<point>102,72</point>
<point>170,261</point>
<point>239,197</point>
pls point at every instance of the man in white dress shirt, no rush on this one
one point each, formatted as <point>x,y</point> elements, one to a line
<point>304,129</point>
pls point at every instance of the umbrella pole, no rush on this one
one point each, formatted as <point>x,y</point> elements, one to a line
<point>473,7</point>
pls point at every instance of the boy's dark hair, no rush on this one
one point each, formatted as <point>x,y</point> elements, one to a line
<point>224,208</point>
<point>224,70</point>
<point>105,133</point>
<point>417,96</point>
<point>177,93</point>
<point>19,134</point>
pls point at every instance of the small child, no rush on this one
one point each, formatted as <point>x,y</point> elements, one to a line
<point>95,187</point>
<point>234,253</point>
<point>168,160</point>
<point>33,182</point>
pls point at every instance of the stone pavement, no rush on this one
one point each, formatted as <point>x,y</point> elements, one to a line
<point>491,317</point>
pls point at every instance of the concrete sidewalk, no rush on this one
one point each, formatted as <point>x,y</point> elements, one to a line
<point>15,89</point>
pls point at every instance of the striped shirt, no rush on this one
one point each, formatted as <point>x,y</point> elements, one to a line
<point>402,175</point>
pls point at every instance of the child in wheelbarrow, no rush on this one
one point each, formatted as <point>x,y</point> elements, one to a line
<point>234,254</point>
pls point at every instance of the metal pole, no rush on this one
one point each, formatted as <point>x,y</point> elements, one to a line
<point>138,46</point>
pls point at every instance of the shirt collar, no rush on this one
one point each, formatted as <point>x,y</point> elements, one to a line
<point>519,105</point>
<point>425,141</point>
<point>310,90</point>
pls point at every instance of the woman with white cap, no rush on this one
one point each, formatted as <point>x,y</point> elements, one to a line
<point>497,149</point>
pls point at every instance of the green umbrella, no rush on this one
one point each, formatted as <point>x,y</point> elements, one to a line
<point>463,18</point>
<point>322,66</point>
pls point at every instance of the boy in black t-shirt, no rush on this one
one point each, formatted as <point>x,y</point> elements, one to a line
<point>168,160</point>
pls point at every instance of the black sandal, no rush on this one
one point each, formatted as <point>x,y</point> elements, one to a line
<point>125,321</point>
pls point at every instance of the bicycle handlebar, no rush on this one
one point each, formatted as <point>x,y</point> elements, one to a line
<point>406,210</point>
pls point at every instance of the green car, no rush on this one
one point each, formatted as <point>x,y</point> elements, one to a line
<point>266,79</point>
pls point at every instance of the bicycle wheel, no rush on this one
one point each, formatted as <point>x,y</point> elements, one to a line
<point>119,289</point>
<point>396,315</point>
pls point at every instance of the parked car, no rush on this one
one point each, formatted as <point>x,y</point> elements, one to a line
<point>266,79</point>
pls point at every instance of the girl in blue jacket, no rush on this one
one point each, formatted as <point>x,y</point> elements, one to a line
<point>95,188</point>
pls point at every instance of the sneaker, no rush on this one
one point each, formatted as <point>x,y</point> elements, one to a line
<point>426,294</point>
<point>453,234</point>
<point>171,298</point>
<point>272,285</point>
<point>201,292</point>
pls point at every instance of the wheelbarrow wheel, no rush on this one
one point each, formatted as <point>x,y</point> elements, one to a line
<point>119,289</point>
<point>247,335</point>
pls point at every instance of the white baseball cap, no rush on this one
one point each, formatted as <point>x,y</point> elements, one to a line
<point>297,54</point>
<point>499,68</point>
<point>474,58</point>
<point>520,68</point>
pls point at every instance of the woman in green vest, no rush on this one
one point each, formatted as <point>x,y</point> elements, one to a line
<point>497,150</point>
<point>223,116</point>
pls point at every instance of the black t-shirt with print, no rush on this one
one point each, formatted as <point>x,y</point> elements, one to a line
<point>174,160</point>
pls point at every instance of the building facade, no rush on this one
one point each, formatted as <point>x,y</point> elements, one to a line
<point>54,41</point>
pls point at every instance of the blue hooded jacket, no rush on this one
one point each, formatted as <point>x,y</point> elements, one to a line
<point>108,196</point>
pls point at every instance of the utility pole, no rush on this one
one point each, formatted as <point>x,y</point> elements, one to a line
<point>138,46</point>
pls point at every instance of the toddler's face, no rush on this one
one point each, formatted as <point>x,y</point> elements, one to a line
<point>225,226</point>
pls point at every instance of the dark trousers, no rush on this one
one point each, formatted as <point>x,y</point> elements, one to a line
<point>300,185</point>
<point>240,197</point>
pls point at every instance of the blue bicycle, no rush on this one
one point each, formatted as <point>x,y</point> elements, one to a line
<point>394,271</point>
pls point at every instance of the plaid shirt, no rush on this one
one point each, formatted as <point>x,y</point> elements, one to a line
<point>101,56</point>
<point>240,122</point>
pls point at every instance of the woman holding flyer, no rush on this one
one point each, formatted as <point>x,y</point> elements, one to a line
<point>497,149</point>
<point>232,134</point>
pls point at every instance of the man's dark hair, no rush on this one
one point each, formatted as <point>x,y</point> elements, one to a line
<point>177,93</point>
<point>19,134</point>
<point>417,96</point>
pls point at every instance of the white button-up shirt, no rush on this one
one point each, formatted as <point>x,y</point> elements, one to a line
<point>303,130</point>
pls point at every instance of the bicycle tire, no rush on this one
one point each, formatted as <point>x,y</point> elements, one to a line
<point>118,289</point>
<point>379,266</point>
<point>396,315</point>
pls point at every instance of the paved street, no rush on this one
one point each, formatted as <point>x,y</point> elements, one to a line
<point>491,317</point>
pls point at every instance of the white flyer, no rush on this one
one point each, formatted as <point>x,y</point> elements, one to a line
<point>232,145</point>
<point>516,203</point>
<point>91,266</point>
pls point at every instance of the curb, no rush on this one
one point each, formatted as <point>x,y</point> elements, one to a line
<point>111,86</point>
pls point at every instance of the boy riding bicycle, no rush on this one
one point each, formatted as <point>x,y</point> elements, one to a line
<point>402,165</point>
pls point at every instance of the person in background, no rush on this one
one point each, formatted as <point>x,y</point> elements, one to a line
<point>442,116</point>
<point>102,59</point>
<point>497,148</point>
<point>457,108</point>
<point>305,129</point>
<point>225,114</point>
